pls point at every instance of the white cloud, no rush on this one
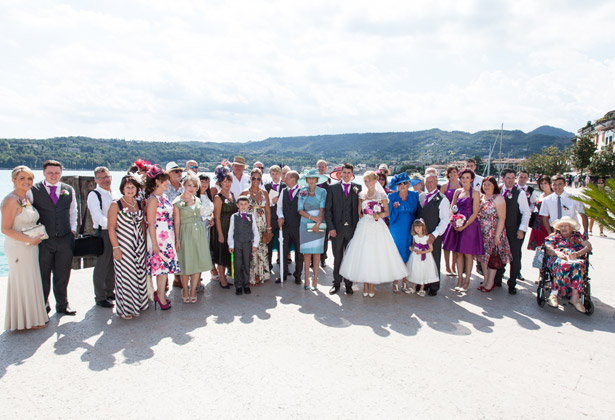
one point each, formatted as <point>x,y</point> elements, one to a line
<point>246,70</point>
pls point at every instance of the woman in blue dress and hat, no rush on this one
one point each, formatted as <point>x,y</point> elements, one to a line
<point>311,207</point>
<point>403,205</point>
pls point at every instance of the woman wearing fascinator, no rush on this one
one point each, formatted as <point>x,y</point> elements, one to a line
<point>224,207</point>
<point>372,257</point>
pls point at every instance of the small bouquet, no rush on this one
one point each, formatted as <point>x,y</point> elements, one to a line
<point>458,220</point>
<point>373,208</point>
<point>396,204</point>
<point>64,193</point>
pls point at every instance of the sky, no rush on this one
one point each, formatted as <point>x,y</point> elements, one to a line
<point>244,70</point>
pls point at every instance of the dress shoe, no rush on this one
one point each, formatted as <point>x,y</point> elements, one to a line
<point>239,291</point>
<point>298,281</point>
<point>432,292</point>
<point>112,297</point>
<point>323,264</point>
<point>104,303</point>
<point>247,290</point>
<point>47,308</point>
<point>333,290</point>
<point>520,278</point>
<point>67,311</point>
<point>349,290</point>
<point>228,285</point>
<point>512,291</point>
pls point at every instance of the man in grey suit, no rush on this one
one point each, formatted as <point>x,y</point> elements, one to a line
<point>57,207</point>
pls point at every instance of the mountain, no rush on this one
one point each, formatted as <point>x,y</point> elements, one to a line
<point>427,146</point>
<point>547,130</point>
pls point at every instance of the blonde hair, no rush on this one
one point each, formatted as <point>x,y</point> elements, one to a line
<point>190,177</point>
<point>370,175</point>
<point>21,168</point>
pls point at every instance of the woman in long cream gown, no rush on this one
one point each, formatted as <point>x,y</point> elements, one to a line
<point>25,305</point>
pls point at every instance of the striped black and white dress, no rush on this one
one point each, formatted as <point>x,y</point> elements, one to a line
<point>130,274</point>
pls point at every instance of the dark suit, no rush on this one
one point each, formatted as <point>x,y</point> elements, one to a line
<point>342,215</point>
<point>512,222</point>
<point>323,256</point>
<point>56,253</point>
<point>290,229</point>
<point>275,229</point>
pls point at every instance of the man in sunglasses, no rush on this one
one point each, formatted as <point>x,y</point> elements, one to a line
<point>191,165</point>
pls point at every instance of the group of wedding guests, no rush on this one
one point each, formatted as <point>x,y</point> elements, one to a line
<point>174,221</point>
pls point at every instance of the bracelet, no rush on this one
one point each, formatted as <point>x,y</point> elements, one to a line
<point>116,247</point>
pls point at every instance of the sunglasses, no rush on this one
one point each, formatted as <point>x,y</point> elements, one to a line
<point>193,167</point>
<point>256,179</point>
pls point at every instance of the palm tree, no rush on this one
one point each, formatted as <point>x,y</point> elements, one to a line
<point>600,203</point>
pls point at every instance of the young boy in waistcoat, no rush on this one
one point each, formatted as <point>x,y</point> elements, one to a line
<point>243,239</point>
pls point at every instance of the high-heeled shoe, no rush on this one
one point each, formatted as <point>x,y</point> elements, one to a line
<point>185,299</point>
<point>396,288</point>
<point>228,285</point>
<point>193,299</point>
<point>157,301</point>
<point>365,294</point>
<point>371,295</point>
<point>485,290</point>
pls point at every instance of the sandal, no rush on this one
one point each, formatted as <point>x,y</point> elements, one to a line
<point>193,299</point>
<point>396,288</point>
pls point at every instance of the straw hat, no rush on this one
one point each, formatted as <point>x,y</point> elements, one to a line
<point>567,220</point>
<point>172,166</point>
<point>238,160</point>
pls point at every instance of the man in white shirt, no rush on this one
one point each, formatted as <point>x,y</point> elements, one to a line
<point>57,207</point>
<point>241,181</point>
<point>99,201</point>
<point>522,178</point>
<point>478,180</point>
<point>517,219</point>
<point>434,210</point>
<point>560,204</point>
<point>174,189</point>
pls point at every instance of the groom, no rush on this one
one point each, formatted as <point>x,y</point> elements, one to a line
<point>342,216</point>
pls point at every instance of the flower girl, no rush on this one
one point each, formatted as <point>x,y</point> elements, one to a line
<point>421,265</point>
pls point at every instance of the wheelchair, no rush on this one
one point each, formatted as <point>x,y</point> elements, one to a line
<point>546,283</point>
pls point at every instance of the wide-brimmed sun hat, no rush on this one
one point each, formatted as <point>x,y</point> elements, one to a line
<point>312,173</point>
<point>238,160</point>
<point>567,220</point>
<point>402,177</point>
<point>336,174</point>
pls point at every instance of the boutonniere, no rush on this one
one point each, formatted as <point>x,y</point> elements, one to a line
<point>355,189</point>
<point>64,192</point>
<point>396,204</point>
<point>303,193</point>
<point>182,203</point>
<point>227,201</point>
<point>509,195</point>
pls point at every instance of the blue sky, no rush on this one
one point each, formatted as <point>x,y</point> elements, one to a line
<point>247,70</point>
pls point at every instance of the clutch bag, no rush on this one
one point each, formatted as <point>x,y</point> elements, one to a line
<point>35,231</point>
<point>321,228</point>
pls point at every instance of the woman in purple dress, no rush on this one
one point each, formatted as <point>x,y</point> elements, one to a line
<point>448,189</point>
<point>463,234</point>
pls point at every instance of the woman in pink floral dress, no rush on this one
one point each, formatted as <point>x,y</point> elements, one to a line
<point>491,216</point>
<point>161,255</point>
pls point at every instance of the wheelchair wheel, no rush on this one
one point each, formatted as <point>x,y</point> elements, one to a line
<point>540,296</point>
<point>589,306</point>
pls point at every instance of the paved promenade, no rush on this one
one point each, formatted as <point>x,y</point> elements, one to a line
<point>286,353</point>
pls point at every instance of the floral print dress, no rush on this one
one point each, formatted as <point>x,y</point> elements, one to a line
<point>166,262</point>
<point>259,263</point>
<point>488,219</point>
<point>567,275</point>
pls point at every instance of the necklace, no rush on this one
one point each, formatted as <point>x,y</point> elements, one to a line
<point>132,206</point>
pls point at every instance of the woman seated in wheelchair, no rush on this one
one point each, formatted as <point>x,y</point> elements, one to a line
<point>565,253</point>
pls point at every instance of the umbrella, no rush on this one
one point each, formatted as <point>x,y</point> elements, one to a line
<point>280,252</point>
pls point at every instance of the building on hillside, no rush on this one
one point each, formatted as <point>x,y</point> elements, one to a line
<point>601,131</point>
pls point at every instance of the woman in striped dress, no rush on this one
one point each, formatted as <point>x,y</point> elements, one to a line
<point>127,236</point>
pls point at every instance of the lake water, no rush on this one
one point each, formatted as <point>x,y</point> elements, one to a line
<point>6,186</point>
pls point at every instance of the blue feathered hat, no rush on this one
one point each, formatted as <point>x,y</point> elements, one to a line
<point>402,177</point>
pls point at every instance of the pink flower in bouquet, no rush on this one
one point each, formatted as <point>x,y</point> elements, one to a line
<point>373,208</point>
<point>396,204</point>
<point>458,220</point>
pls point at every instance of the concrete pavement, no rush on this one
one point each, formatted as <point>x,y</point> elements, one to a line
<point>283,352</point>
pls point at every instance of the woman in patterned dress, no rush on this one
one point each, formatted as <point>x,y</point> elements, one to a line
<point>491,216</point>
<point>539,232</point>
<point>127,236</point>
<point>565,247</point>
<point>224,207</point>
<point>161,254</point>
<point>259,207</point>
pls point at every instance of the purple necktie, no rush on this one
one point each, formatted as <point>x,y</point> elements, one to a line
<point>346,187</point>
<point>290,193</point>
<point>52,193</point>
<point>428,196</point>
<point>243,215</point>
<point>275,187</point>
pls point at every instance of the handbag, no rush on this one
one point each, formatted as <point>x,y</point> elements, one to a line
<point>538,258</point>
<point>89,245</point>
<point>495,262</point>
<point>35,231</point>
<point>321,228</point>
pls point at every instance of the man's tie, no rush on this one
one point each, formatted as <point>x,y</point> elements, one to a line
<point>559,207</point>
<point>275,187</point>
<point>243,215</point>
<point>290,193</point>
<point>428,197</point>
<point>346,188</point>
<point>52,193</point>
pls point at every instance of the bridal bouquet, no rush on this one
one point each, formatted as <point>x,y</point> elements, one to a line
<point>458,220</point>
<point>373,208</point>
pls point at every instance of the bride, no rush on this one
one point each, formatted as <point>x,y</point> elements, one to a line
<point>372,257</point>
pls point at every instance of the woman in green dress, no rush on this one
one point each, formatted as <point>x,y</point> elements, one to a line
<point>191,238</point>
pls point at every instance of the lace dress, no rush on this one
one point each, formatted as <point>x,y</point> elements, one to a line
<point>372,256</point>
<point>25,305</point>
<point>259,263</point>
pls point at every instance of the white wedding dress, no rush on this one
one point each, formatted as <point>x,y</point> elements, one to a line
<point>371,256</point>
